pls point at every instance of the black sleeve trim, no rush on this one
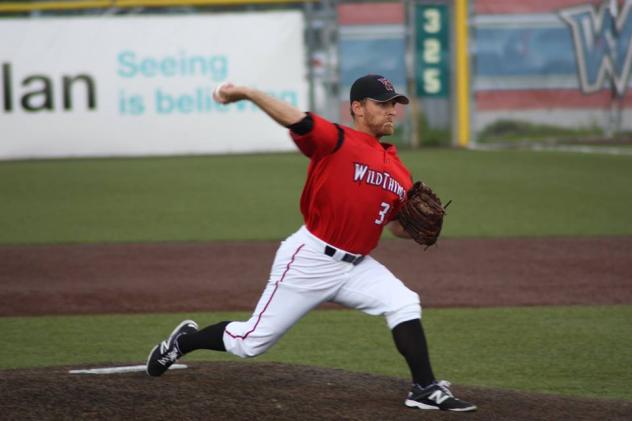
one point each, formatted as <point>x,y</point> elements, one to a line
<point>304,126</point>
<point>341,137</point>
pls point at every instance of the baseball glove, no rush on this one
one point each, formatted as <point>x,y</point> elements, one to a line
<point>422,214</point>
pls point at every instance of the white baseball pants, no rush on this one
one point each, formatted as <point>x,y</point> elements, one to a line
<point>302,277</point>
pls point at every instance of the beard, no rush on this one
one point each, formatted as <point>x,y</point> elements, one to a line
<point>382,128</point>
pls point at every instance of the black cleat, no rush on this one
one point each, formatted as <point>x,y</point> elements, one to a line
<point>436,396</point>
<point>166,353</point>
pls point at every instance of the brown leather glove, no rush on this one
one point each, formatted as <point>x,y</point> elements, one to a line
<point>422,214</point>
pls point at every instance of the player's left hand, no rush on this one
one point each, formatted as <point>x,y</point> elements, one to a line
<point>422,214</point>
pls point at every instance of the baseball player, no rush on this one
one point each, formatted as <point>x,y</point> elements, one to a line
<point>355,186</point>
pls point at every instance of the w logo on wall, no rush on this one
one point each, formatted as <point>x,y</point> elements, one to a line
<point>603,47</point>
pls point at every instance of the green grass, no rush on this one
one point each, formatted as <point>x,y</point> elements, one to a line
<point>176,199</point>
<point>495,194</point>
<point>582,351</point>
<point>523,193</point>
<point>565,350</point>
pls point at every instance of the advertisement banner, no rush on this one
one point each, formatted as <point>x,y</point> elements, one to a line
<point>129,86</point>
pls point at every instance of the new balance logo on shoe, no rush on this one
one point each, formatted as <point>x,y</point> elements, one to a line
<point>163,355</point>
<point>439,397</point>
<point>169,358</point>
<point>436,396</point>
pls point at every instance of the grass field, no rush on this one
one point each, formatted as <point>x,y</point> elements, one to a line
<point>577,350</point>
<point>495,194</point>
<point>565,350</point>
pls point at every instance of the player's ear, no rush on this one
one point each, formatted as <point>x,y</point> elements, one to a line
<point>357,108</point>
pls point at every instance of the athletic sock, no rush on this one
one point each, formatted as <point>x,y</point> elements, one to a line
<point>410,341</point>
<point>211,337</point>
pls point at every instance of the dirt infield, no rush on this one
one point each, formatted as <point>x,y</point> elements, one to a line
<point>88,279</point>
<point>226,391</point>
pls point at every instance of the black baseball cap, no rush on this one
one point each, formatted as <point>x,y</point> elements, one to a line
<point>375,87</point>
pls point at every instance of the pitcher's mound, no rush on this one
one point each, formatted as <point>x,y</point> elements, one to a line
<point>264,391</point>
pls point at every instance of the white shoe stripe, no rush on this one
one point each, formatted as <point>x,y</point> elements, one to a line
<point>414,404</point>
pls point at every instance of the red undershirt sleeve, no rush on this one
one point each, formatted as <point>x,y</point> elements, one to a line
<point>321,140</point>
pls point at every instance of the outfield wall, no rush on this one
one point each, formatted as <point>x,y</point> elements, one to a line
<point>127,86</point>
<point>564,63</point>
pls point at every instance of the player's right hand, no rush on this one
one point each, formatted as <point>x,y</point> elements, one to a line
<point>226,92</point>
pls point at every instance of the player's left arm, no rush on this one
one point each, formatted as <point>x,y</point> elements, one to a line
<point>394,226</point>
<point>397,229</point>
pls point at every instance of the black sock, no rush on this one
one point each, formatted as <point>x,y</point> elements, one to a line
<point>411,343</point>
<point>211,337</point>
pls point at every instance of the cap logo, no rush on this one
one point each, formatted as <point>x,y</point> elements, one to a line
<point>387,84</point>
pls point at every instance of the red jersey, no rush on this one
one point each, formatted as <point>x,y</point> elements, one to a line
<point>353,188</point>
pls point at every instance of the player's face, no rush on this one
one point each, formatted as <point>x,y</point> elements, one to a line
<point>379,117</point>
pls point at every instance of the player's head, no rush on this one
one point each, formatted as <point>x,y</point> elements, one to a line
<point>372,104</point>
<point>375,87</point>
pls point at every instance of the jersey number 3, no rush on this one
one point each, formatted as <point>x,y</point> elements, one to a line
<point>384,207</point>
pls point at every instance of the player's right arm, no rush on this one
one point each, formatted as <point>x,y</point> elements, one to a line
<point>280,111</point>
<point>313,135</point>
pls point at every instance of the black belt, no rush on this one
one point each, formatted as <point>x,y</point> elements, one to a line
<point>354,259</point>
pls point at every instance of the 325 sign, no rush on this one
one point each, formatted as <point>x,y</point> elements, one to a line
<point>432,50</point>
